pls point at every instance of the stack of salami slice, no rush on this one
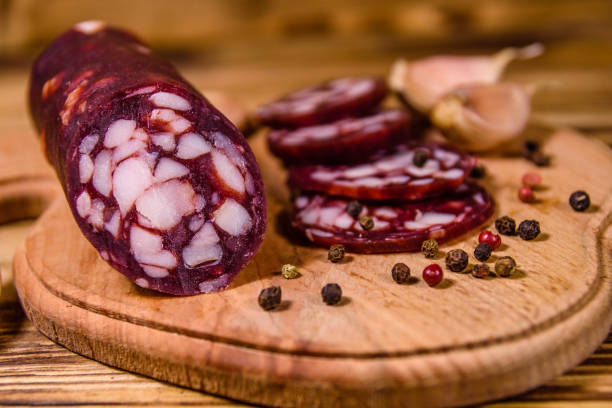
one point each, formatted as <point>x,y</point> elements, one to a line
<point>357,164</point>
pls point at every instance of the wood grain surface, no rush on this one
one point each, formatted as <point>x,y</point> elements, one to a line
<point>576,68</point>
<point>466,341</point>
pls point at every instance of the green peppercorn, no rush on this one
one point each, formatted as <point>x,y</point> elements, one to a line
<point>482,252</point>
<point>529,229</point>
<point>269,298</point>
<point>481,270</point>
<point>580,200</point>
<point>505,225</point>
<point>505,266</point>
<point>420,157</point>
<point>429,248</point>
<point>366,222</point>
<point>289,271</point>
<point>331,293</point>
<point>456,260</point>
<point>353,208</point>
<point>336,253</point>
<point>400,273</point>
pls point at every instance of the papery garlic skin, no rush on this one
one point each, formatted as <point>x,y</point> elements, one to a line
<point>423,82</point>
<point>484,116</point>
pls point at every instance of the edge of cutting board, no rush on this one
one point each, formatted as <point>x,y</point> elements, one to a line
<point>456,375</point>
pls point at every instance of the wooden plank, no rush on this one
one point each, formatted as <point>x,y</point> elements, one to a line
<point>476,339</point>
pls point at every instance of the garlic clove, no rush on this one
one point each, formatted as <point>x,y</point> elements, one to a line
<point>481,117</point>
<point>422,82</point>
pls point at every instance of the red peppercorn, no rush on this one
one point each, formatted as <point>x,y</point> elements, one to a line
<point>433,274</point>
<point>531,179</point>
<point>525,194</point>
<point>490,238</point>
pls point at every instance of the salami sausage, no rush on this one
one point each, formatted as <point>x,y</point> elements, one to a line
<point>390,175</point>
<point>158,180</point>
<point>323,103</point>
<point>344,141</point>
<point>398,227</point>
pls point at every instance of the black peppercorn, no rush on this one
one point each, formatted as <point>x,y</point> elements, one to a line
<point>478,171</point>
<point>331,293</point>
<point>580,200</point>
<point>456,260</point>
<point>366,222</point>
<point>353,208</point>
<point>482,252</point>
<point>336,253</point>
<point>529,229</point>
<point>400,273</point>
<point>269,298</point>
<point>420,157</point>
<point>505,266</point>
<point>529,147</point>
<point>481,270</point>
<point>505,225</point>
<point>429,248</point>
<point>540,159</point>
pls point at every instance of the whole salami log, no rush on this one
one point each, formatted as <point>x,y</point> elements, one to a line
<point>398,227</point>
<point>344,141</point>
<point>323,103</point>
<point>159,181</point>
<point>389,175</point>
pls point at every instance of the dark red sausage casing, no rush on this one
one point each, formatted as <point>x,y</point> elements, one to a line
<point>160,182</point>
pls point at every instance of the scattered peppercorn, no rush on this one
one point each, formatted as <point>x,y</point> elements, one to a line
<point>505,225</point>
<point>331,293</point>
<point>529,229</point>
<point>580,200</point>
<point>481,270</point>
<point>456,260</point>
<point>490,238</point>
<point>400,273</point>
<point>531,179</point>
<point>289,271</point>
<point>420,157</point>
<point>482,252</point>
<point>478,171</point>
<point>525,194</point>
<point>433,274</point>
<point>366,222</point>
<point>505,266</point>
<point>269,298</point>
<point>540,159</point>
<point>336,253</point>
<point>429,248</point>
<point>353,208</point>
<point>529,147</point>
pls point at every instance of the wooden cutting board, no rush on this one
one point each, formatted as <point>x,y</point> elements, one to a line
<point>465,341</point>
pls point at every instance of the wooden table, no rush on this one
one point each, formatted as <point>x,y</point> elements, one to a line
<point>35,371</point>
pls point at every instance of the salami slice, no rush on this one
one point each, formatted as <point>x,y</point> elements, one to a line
<point>344,141</point>
<point>323,103</point>
<point>159,181</point>
<point>398,227</point>
<point>392,175</point>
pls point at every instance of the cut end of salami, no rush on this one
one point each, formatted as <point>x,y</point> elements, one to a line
<point>159,181</point>
<point>326,102</point>
<point>398,227</point>
<point>344,141</point>
<point>391,175</point>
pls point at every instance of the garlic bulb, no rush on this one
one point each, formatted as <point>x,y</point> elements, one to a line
<point>422,82</point>
<point>482,116</point>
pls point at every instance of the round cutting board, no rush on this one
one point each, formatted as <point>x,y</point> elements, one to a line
<point>465,341</point>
